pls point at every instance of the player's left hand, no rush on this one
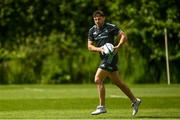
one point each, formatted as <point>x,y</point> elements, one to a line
<point>116,49</point>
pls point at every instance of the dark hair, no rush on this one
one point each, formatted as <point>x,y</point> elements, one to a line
<point>98,12</point>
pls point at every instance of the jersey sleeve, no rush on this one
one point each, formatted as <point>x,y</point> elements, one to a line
<point>90,35</point>
<point>114,29</point>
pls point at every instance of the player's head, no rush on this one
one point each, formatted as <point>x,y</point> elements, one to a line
<point>99,18</point>
<point>98,13</point>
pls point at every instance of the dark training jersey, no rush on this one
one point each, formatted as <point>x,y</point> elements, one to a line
<point>102,36</point>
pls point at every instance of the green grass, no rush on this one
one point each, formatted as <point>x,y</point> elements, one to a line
<point>78,101</point>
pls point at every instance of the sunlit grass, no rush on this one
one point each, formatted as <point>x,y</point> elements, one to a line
<point>78,101</point>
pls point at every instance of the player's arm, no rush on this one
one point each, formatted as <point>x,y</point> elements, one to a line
<point>122,38</point>
<point>93,48</point>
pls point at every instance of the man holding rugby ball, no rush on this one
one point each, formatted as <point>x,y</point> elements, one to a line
<point>100,34</point>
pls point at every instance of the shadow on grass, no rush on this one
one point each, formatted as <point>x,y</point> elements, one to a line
<point>159,117</point>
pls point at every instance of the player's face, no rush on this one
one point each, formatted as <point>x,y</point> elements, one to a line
<point>99,21</point>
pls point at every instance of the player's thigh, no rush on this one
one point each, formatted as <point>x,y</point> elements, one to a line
<point>100,75</point>
<point>115,77</point>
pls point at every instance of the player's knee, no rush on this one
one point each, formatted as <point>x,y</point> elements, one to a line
<point>98,80</point>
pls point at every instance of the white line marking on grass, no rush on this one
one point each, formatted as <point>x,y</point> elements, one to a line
<point>118,96</point>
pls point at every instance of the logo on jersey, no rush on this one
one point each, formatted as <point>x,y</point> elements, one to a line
<point>95,33</point>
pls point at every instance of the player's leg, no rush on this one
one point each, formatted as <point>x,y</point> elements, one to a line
<point>114,76</point>
<point>99,77</point>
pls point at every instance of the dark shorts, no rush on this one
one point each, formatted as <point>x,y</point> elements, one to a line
<point>109,62</point>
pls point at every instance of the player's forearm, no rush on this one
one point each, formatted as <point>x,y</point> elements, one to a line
<point>122,39</point>
<point>93,48</point>
<point>121,42</point>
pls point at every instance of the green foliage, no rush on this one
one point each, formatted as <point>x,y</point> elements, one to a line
<point>45,41</point>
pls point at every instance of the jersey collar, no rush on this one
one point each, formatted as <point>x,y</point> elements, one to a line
<point>102,27</point>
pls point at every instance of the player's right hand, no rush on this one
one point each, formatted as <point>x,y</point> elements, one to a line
<point>102,50</point>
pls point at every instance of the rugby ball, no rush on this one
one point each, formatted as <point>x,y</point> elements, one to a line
<point>108,48</point>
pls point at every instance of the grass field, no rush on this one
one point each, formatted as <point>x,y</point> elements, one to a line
<point>160,102</point>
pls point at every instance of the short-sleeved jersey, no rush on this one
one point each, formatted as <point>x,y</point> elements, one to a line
<point>103,35</point>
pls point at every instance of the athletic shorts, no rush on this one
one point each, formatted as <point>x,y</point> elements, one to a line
<point>109,62</point>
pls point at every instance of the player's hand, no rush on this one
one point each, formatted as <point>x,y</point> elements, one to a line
<point>116,49</point>
<point>102,50</point>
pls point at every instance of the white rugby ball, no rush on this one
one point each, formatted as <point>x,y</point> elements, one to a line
<point>108,48</point>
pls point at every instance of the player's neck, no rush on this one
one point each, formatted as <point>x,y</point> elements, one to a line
<point>100,27</point>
